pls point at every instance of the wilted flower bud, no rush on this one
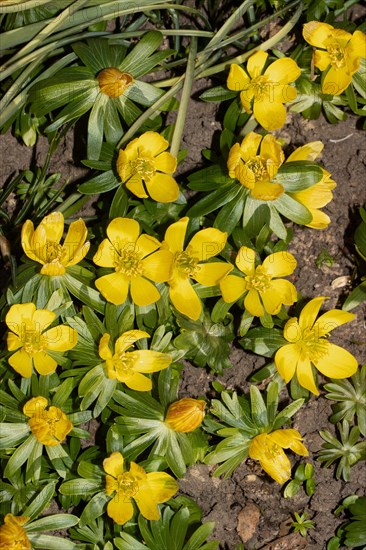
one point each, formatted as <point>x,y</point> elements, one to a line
<point>113,82</point>
<point>186,414</point>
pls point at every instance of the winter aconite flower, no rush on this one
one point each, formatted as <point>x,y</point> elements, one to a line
<point>255,163</point>
<point>146,167</point>
<point>340,52</point>
<point>128,366</point>
<point>318,195</point>
<point>146,489</point>
<point>309,346</point>
<point>12,534</point>
<point>113,82</point>
<point>268,449</point>
<point>32,339</point>
<point>50,426</point>
<point>185,415</point>
<point>263,290</point>
<point>136,260</point>
<point>264,93</point>
<point>190,263</point>
<point>43,244</point>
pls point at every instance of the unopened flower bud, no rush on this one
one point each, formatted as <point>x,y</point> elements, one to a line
<point>186,414</point>
<point>113,82</point>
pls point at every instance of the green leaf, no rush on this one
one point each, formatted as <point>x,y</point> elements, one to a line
<point>135,61</point>
<point>214,200</point>
<point>48,542</point>
<point>73,110</point>
<point>119,204</point>
<point>229,216</point>
<point>258,407</point>
<point>100,184</point>
<point>20,456</point>
<point>94,509</point>
<point>82,487</point>
<point>218,93</point>
<point>299,175</point>
<point>263,341</point>
<point>41,501</point>
<point>208,178</point>
<point>356,297</point>
<point>84,293</point>
<point>200,536</point>
<point>95,127</point>
<point>53,523</point>
<point>293,210</point>
<point>12,434</point>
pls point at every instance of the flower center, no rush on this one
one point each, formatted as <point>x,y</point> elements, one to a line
<point>113,82</point>
<point>129,263</point>
<point>261,87</point>
<point>127,485</point>
<point>53,251</point>
<point>144,167</point>
<point>311,346</point>
<point>260,281</point>
<point>258,167</point>
<point>186,263</point>
<point>336,54</point>
<point>122,363</point>
<point>32,340</point>
<point>50,427</point>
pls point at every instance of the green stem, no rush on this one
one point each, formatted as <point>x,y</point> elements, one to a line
<point>186,94</point>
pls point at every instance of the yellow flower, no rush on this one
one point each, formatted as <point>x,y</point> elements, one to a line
<point>263,291</point>
<point>265,93</point>
<point>50,426</point>
<point>185,415</point>
<point>255,167</point>
<point>43,244</point>
<point>127,366</point>
<point>146,168</point>
<point>340,52</point>
<point>190,263</point>
<point>317,195</point>
<point>309,346</point>
<point>268,449</point>
<point>136,261</point>
<point>29,333</point>
<point>12,534</point>
<point>146,489</point>
<point>113,82</point>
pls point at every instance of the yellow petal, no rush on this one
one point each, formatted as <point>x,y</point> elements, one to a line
<point>319,221</point>
<point>35,406</point>
<point>336,81</point>
<point>305,375</point>
<point>234,159</point>
<point>321,59</point>
<point>232,287</point>
<point>61,338</point>
<point>279,264</point>
<point>256,63</point>
<point>54,226</point>
<point>158,266</point>
<point>184,298</point>
<point>245,260</point>
<point>253,304</point>
<point>104,349</point>
<point>175,235</point>
<point>26,240</point>
<point>128,338</point>
<point>270,115</point>
<point>337,363</point>
<point>121,511</point>
<point>135,185</point>
<point>249,146</point>
<point>272,302</point>
<point>356,48</point>
<point>207,243</point>
<point>283,71</point>
<point>158,487</point>
<point>74,241</point>
<point>165,162</point>
<point>292,330</point>
<point>316,196</point>
<point>18,315</point>
<point>42,318</point>
<point>331,320</point>
<point>113,465</point>
<point>146,360</point>
<point>317,33</point>
<point>271,457</point>
<point>285,437</point>
<point>310,151</point>
<point>309,313</point>
<point>39,243</point>
<point>13,342</point>
<point>246,97</point>
<point>266,191</point>
<point>146,245</point>
<point>285,290</point>
<point>286,359</point>
<point>44,363</point>
<point>21,362</point>
<point>113,287</point>
<point>121,231</point>
<point>271,150</point>
<point>143,292</point>
<point>152,142</point>
<point>106,255</point>
<point>163,188</point>
<point>237,79</point>
<point>210,274</point>
<point>135,381</point>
